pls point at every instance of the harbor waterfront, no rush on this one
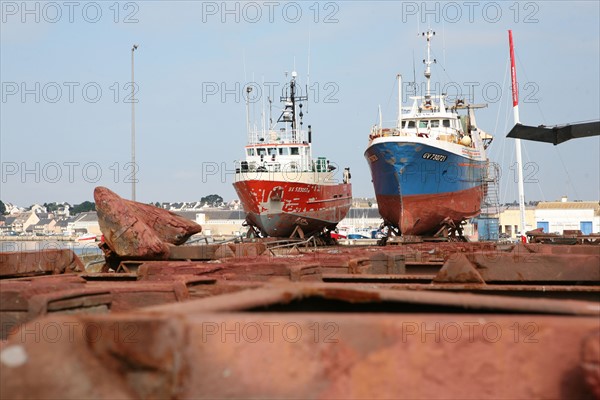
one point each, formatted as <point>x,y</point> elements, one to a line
<point>363,217</point>
<point>22,244</point>
<point>7,238</point>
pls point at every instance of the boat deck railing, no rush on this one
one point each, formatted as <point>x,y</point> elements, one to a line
<point>453,137</point>
<point>282,136</point>
<point>292,167</point>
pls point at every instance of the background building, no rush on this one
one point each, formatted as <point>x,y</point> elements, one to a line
<point>510,218</point>
<point>218,222</point>
<point>557,216</point>
<point>86,222</point>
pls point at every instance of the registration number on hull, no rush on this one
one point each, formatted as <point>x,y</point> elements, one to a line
<point>434,157</point>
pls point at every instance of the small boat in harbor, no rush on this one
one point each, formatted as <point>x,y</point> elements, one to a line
<point>283,189</point>
<point>429,171</point>
<point>86,238</point>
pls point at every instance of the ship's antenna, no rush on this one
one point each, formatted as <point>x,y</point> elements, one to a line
<point>308,70</point>
<point>414,73</point>
<point>248,90</point>
<point>399,101</point>
<point>253,108</point>
<point>429,34</point>
<point>444,41</point>
<point>418,26</point>
<point>270,113</point>
<point>264,117</point>
<point>380,119</point>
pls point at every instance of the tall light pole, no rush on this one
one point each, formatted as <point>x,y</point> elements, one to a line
<point>135,46</point>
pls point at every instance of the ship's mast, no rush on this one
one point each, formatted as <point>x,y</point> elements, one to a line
<point>289,114</point>
<point>293,97</point>
<point>515,98</point>
<point>399,102</point>
<point>429,34</point>
<point>270,113</point>
<point>248,90</point>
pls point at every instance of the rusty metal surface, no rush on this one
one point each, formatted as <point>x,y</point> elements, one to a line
<point>568,237</point>
<point>43,262</point>
<point>394,300</point>
<point>26,299</point>
<point>511,321</point>
<point>208,349</point>
<point>590,361</point>
<point>459,270</point>
<point>537,267</point>
<point>137,230</point>
<point>216,251</point>
<point>547,249</point>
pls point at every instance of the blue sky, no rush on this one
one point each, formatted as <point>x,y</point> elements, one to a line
<point>58,141</point>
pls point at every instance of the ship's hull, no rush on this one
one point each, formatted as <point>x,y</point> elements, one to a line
<point>277,207</point>
<point>420,185</point>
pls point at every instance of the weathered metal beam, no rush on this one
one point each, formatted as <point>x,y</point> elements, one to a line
<point>208,349</point>
<point>216,251</point>
<point>523,267</point>
<point>394,300</point>
<point>43,262</point>
<point>25,300</point>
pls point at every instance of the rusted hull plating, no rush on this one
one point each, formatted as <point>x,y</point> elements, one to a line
<point>421,184</point>
<point>424,214</point>
<point>278,207</point>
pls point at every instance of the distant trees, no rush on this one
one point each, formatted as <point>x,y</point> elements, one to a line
<point>2,208</point>
<point>51,207</point>
<point>86,206</point>
<point>213,200</point>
